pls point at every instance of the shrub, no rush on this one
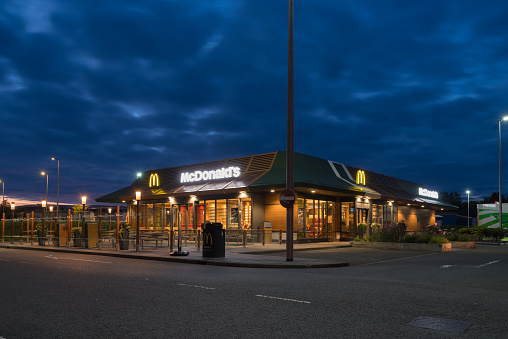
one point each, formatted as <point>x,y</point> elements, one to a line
<point>465,231</point>
<point>438,240</point>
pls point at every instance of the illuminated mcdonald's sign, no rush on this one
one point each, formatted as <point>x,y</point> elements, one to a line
<point>154,180</point>
<point>207,239</point>
<point>360,177</point>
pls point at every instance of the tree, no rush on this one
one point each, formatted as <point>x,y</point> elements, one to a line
<point>494,197</point>
<point>77,209</point>
<point>453,198</point>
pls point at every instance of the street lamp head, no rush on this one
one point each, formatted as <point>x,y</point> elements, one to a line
<point>138,195</point>
<point>43,173</point>
<point>55,159</point>
<point>83,200</point>
<point>138,174</point>
<point>44,203</point>
<point>109,210</point>
<point>467,192</point>
<point>13,206</point>
<point>51,208</point>
<point>505,118</point>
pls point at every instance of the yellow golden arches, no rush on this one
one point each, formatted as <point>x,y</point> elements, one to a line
<point>207,239</point>
<point>154,180</point>
<point>360,177</point>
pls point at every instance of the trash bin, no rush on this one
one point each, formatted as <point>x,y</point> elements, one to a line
<point>214,240</point>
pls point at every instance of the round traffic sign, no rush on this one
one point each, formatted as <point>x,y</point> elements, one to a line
<point>287,198</point>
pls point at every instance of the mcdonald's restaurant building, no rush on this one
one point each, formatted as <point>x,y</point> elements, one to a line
<point>242,193</point>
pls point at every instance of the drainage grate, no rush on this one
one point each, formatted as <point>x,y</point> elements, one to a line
<point>440,324</point>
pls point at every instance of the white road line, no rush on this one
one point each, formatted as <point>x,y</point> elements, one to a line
<point>197,286</point>
<point>489,263</point>
<point>86,260</point>
<point>3,260</point>
<point>283,299</point>
<point>383,261</point>
<point>446,266</point>
<point>26,262</point>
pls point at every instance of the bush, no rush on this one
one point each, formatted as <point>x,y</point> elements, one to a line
<point>438,240</point>
<point>465,231</point>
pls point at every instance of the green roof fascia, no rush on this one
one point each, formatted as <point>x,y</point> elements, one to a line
<point>309,172</point>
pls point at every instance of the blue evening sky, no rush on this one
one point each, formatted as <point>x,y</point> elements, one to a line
<point>411,89</point>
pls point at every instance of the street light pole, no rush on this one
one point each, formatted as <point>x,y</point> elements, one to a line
<point>47,184</point>
<point>57,186</point>
<point>468,207</point>
<point>290,137</point>
<point>83,228</point>
<point>500,190</point>
<point>138,200</point>
<point>13,206</point>
<point>3,197</point>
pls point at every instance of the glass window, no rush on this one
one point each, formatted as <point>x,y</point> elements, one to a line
<point>246,212</point>
<point>233,214</point>
<point>301,217</point>
<point>210,211</point>
<point>200,214</point>
<point>221,212</point>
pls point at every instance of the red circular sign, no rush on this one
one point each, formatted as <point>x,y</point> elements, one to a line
<point>287,198</point>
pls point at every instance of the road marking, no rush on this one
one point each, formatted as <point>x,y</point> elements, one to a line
<point>26,262</point>
<point>85,260</point>
<point>489,263</point>
<point>3,260</point>
<point>197,286</point>
<point>383,261</point>
<point>469,266</point>
<point>283,299</point>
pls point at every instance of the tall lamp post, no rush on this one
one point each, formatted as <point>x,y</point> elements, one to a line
<point>138,199</point>
<point>57,186</point>
<point>3,196</point>
<point>505,118</point>
<point>468,207</point>
<point>43,204</point>
<point>84,233</point>
<point>13,207</point>
<point>47,182</point>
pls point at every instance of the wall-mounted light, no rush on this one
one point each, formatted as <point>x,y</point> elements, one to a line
<point>273,191</point>
<point>358,199</point>
<point>312,191</point>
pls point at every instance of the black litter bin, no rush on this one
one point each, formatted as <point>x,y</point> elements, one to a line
<point>214,241</point>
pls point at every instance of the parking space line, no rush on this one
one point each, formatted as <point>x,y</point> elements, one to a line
<point>383,261</point>
<point>197,286</point>
<point>283,299</point>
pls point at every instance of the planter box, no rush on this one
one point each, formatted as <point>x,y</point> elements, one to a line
<point>404,246</point>
<point>463,244</point>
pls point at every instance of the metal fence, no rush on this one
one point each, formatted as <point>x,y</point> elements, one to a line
<point>68,232</point>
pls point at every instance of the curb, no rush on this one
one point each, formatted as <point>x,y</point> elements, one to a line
<point>181,260</point>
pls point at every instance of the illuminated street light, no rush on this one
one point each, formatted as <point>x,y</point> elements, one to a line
<point>13,207</point>
<point>138,199</point>
<point>505,118</point>
<point>468,207</point>
<point>47,182</point>
<point>83,228</point>
<point>3,196</point>
<point>57,186</point>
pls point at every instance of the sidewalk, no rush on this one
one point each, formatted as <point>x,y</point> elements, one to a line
<point>253,256</point>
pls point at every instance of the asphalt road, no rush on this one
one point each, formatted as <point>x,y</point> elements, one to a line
<point>65,295</point>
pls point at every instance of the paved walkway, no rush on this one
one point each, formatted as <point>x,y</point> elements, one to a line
<point>253,255</point>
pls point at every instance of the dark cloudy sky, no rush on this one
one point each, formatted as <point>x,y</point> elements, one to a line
<point>411,89</point>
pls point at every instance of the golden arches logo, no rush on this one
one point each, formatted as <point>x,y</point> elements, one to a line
<point>360,177</point>
<point>207,239</point>
<point>154,180</point>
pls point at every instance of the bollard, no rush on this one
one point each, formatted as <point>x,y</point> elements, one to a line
<point>263,236</point>
<point>199,240</point>
<point>171,240</point>
<point>244,238</point>
<point>280,237</point>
